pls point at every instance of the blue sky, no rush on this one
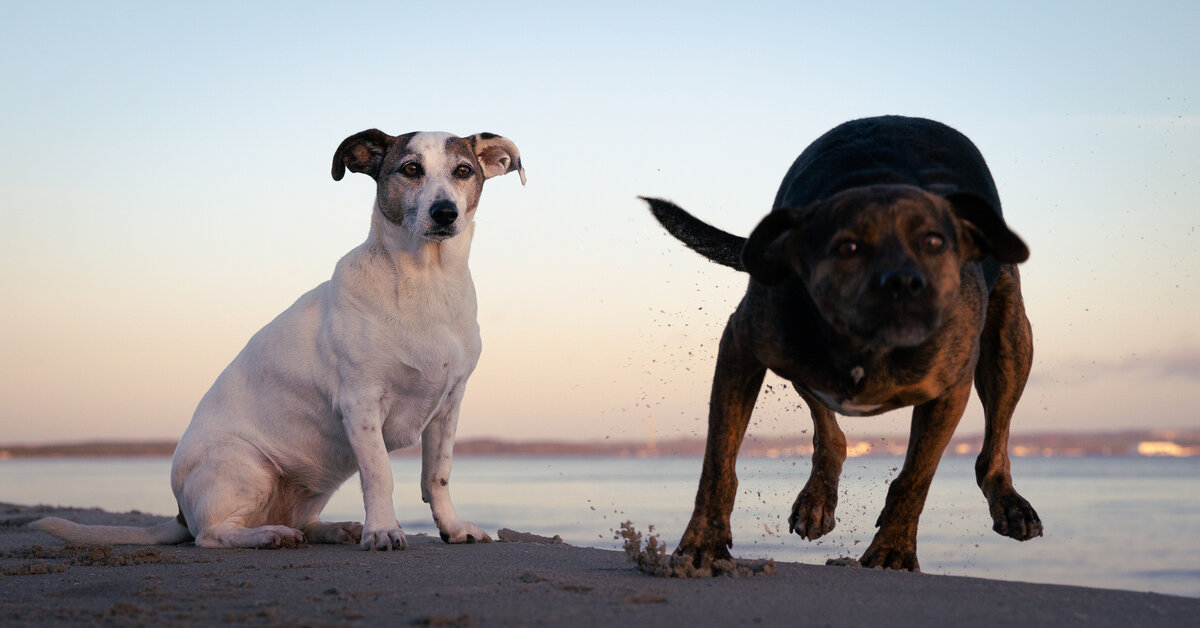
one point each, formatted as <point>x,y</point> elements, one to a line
<point>165,190</point>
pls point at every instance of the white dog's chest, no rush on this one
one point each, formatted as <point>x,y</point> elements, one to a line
<point>425,379</point>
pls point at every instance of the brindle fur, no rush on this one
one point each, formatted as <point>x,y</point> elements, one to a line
<point>853,338</point>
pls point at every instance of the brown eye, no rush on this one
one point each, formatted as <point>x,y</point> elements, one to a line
<point>411,169</point>
<point>463,171</point>
<point>847,248</point>
<point>933,242</point>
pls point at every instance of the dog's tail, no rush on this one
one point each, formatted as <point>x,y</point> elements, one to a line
<point>166,533</point>
<point>699,236</point>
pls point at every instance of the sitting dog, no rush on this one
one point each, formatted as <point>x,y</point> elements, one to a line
<point>884,277</point>
<point>368,362</point>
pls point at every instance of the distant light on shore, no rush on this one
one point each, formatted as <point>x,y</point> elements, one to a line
<point>1165,448</point>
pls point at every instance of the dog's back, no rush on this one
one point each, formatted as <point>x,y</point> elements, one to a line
<point>869,151</point>
<point>887,149</point>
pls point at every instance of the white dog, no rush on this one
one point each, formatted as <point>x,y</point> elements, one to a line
<point>365,363</point>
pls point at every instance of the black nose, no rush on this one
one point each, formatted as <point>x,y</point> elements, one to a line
<point>443,213</point>
<point>902,283</point>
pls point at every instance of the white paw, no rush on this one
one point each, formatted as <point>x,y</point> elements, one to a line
<point>384,540</point>
<point>463,532</point>
<point>340,533</point>
<point>283,536</point>
<point>266,537</point>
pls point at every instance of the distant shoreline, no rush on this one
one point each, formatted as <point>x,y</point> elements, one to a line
<point>1167,443</point>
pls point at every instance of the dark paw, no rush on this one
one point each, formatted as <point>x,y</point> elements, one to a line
<point>1012,516</point>
<point>698,563</point>
<point>882,556</point>
<point>445,537</point>
<point>702,551</point>
<point>813,514</point>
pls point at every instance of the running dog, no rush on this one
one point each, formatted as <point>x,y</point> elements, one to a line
<point>884,277</point>
<point>370,361</point>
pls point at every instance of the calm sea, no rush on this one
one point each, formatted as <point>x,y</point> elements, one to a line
<point>1127,523</point>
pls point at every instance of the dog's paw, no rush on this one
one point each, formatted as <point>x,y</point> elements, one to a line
<point>705,542</point>
<point>463,532</point>
<point>384,540</point>
<point>881,555</point>
<point>263,537</point>
<point>1012,516</point>
<point>813,512</point>
<point>701,560</point>
<point>702,546</point>
<point>340,533</point>
<point>285,537</point>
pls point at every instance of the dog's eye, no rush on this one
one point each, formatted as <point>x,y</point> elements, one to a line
<point>933,242</point>
<point>846,248</point>
<point>411,169</point>
<point>463,171</point>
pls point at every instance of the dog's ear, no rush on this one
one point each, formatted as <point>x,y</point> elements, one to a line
<point>767,253</point>
<point>985,230</point>
<point>361,152</point>
<point>498,155</point>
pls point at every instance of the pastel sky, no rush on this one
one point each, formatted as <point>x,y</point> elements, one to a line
<point>165,190</point>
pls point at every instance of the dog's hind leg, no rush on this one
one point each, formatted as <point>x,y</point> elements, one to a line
<point>813,512</point>
<point>933,423</point>
<point>227,501</point>
<point>736,384</point>
<point>1005,357</point>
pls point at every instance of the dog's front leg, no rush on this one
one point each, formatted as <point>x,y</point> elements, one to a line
<point>1005,358</point>
<point>437,452</point>
<point>813,512</point>
<point>736,383</point>
<point>362,417</point>
<point>933,423</point>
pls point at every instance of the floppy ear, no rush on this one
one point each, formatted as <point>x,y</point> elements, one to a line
<point>498,155</point>
<point>765,255</point>
<point>986,230</point>
<point>361,152</point>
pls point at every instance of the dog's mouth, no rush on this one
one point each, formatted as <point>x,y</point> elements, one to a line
<point>438,234</point>
<point>898,324</point>
<point>904,334</point>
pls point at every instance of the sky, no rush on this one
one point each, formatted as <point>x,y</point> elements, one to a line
<point>165,191</point>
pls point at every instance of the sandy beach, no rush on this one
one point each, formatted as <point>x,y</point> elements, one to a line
<point>525,583</point>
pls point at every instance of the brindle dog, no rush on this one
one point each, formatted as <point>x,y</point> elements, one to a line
<point>884,277</point>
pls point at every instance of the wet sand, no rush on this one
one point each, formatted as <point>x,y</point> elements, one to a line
<point>531,582</point>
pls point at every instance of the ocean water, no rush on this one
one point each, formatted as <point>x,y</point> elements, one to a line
<point>1124,522</point>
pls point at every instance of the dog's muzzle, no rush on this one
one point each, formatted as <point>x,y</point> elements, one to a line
<point>899,309</point>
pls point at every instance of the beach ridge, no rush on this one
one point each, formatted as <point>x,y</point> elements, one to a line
<point>500,584</point>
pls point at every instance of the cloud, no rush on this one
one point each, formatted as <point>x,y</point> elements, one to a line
<point>1176,363</point>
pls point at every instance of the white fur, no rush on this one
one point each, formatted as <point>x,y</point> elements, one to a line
<point>370,361</point>
<point>846,407</point>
